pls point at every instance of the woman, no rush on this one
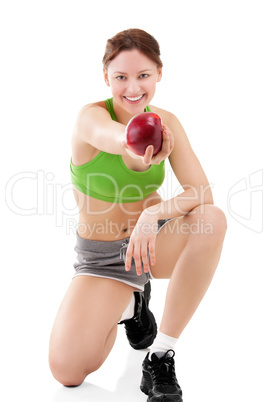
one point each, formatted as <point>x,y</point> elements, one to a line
<point>127,234</point>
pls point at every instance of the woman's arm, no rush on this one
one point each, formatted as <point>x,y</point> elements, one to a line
<point>190,175</point>
<point>94,126</point>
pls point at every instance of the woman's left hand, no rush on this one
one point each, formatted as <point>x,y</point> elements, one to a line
<point>148,158</point>
<point>142,243</point>
<point>166,149</point>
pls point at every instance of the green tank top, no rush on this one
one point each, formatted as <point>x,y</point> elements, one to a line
<point>107,178</point>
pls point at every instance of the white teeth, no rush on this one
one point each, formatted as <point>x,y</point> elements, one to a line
<point>134,99</point>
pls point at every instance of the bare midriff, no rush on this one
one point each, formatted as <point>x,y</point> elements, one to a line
<point>101,220</point>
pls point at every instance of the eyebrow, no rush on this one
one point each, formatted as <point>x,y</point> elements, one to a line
<point>140,72</point>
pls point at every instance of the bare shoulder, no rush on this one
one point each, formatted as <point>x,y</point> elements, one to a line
<point>90,110</point>
<point>94,105</point>
<point>90,116</point>
<point>96,131</point>
<point>82,150</point>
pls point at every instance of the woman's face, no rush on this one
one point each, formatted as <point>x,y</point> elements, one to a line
<point>132,77</point>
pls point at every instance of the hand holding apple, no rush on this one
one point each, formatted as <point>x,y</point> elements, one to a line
<point>143,130</point>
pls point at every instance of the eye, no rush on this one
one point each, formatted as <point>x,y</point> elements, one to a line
<point>121,77</point>
<point>144,75</point>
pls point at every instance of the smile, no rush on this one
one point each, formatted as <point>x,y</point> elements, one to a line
<point>133,99</point>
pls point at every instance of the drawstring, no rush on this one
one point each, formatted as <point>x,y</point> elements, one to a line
<point>123,249</point>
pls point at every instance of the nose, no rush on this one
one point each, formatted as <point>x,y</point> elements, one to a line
<point>133,87</point>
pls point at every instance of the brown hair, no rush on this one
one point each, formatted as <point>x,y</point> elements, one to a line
<point>132,39</point>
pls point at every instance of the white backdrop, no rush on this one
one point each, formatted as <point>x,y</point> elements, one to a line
<point>215,81</point>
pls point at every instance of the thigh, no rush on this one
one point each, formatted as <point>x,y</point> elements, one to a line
<point>204,226</point>
<point>89,312</point>
<point>170,242</point>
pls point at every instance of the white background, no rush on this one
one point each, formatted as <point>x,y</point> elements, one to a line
<point>215,81</point>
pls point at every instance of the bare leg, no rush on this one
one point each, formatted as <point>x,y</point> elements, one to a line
<point>194,245</point>
<point>86,326</point>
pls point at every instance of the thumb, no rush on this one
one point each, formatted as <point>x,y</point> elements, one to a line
<point>124,143</point>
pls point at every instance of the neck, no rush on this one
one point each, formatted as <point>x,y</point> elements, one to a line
<point>122,116</point>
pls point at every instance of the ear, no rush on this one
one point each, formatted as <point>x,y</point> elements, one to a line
<point>106,79</point>
<point>159,74</point>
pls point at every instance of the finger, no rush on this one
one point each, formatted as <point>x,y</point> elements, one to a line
<point>129,255</point>
<point>171,142</point>
<point>124,144</point>
<point>166,144</point>
<point>164,152</point>
<point>144,256</point>
<point>148,155</point>
<point>137,259</point>
<point>171,139</point>
<point>152,252</point>
<point>166,137</point>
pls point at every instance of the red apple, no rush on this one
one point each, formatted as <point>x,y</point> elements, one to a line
<point>142,130</point>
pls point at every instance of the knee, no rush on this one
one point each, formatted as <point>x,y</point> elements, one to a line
<point>218,222</point>
<point>64,372</point>
<point>69,371</point>
<point>212,224</point>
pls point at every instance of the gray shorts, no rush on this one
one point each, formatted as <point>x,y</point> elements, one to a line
<point>106,259</point>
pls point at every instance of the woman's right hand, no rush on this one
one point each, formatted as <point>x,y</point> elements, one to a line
<point>148,158</point>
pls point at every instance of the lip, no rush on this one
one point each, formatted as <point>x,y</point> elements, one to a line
<point>134,99</point>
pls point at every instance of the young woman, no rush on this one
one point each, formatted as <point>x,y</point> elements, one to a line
<point>127,234</point>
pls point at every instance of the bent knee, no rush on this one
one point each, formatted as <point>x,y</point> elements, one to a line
<point>218,221</point>
<point>71,372</point>
<point>64,372</point>
<point>210,221</point>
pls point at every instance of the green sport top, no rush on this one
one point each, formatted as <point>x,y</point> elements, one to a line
<point>107,178</point>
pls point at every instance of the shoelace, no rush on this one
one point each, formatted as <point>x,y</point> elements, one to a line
<point>134,326</point>
<point>163,371</point>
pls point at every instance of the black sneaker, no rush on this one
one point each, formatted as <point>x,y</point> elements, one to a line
<point>159,380</point>
<point>141,330</point>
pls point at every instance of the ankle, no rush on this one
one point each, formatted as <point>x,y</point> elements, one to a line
<point>162,344</point>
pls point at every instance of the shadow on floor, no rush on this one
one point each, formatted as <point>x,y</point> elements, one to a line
<point>127,387</point>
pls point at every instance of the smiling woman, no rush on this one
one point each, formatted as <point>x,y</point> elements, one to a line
<point>127,235</point>
<point>132,77</point>
<point>132,56</point>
